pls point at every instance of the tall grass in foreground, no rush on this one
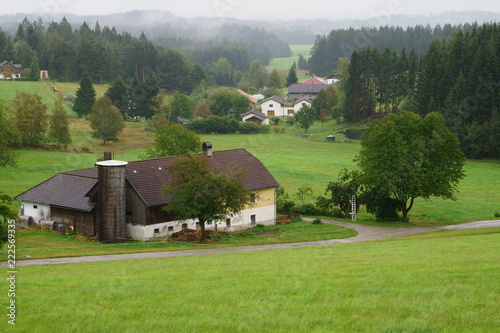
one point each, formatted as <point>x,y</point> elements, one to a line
<point>438,282</point>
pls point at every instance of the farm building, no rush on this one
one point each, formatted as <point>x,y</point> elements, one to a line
<point>123,200</point>
<point>9,70</point>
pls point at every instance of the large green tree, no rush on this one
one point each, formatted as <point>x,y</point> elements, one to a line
<point>198,191</point>
<point>305,117</point>
<point>59,125</point>
<point>30,117</point>
<point>8,138</point>
<point>85,96</point>
<point>173,140</point>
<point>406,157</point>
<point>106,120</point>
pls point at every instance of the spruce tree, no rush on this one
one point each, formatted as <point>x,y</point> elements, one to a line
<point>120,96</point>
<point>292,76</point>
<point>85,96</point>
<point>35,69</point>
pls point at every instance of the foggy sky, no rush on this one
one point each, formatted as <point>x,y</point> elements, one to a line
<point>257,9</point>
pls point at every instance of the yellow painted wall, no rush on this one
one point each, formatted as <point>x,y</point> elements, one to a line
<point>265,198</point>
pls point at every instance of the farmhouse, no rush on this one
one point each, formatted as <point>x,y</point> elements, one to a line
<point>308,88</point>
<point>123,200</point>
<point>277,107</point>
<point>256,117</point>
<point>10,70</point>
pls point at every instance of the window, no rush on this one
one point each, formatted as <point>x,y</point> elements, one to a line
<point>157,231</point>
<point>290,111</point>
<point>228,222</point>
<point>35,207</point>
<point>184,226</point>
<point>253,197</point>
<point>170,228</point>
<point>271,105</point>
<point>253,219</point>
<point>270,113</point>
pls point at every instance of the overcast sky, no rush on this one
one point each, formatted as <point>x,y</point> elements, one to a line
<point>256,9</point>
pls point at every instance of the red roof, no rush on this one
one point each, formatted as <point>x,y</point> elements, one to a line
<point>314,80</point>
<point>250,97</point>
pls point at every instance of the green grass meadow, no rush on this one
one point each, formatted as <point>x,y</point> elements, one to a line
<point>8,90</point>
<point>437,282</point>
<point>284,64</point>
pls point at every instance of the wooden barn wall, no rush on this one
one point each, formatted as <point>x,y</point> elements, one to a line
<point>82,222</point>
<point>136,208</point>
<point>156,215</point>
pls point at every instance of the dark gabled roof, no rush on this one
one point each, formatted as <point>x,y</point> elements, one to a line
<point>274,98</point>
<point>255,114</point>
<point>147,178</point>
<point>62,190</point>
<point>298,88</point>
<point>304,99</point>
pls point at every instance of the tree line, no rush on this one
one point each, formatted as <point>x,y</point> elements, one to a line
<point>457,77</point>
<point>342,42</point>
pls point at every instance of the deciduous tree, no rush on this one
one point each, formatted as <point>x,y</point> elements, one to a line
<point>207,194</point>
<point>173,140</point>
<point>8,138</point>
<point>406,157</point>
<point>305,117</point>
<point>105,120</point>
<point>30,117</point>
<point>59,125</point>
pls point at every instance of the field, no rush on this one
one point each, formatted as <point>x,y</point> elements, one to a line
<point>284,64</point>
<point>45,89</point>
<point>436,282</point>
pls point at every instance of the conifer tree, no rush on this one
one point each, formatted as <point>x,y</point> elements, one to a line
<point>35,69</point>
<point>292,76</point>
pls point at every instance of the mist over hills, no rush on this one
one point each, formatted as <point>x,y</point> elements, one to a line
<point>156,24</point>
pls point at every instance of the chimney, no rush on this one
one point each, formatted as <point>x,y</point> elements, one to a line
<point>108,156</point>
<point>207,148</point>
<point>111,203</point>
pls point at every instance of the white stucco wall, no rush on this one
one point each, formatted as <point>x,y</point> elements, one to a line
<point>263,215</point>
<point>300,104</point>
<point>38,211</point>
<point>276,107</point>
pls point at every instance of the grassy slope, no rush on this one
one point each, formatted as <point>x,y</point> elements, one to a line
<point>284,64</point>
<point>8,91</point>
<point>438,282</point>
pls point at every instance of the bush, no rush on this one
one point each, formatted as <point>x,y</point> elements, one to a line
<point>277,129</point>
<point>249,128</point>
<point>497,214</point>
<point>214,124</point>
<point>317,221</point>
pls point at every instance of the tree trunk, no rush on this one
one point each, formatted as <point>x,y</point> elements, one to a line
<point>203,236</point>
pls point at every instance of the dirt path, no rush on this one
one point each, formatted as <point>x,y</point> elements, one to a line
<point>365,233</point>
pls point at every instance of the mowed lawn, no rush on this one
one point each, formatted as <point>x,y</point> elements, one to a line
<point>438,282</point>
